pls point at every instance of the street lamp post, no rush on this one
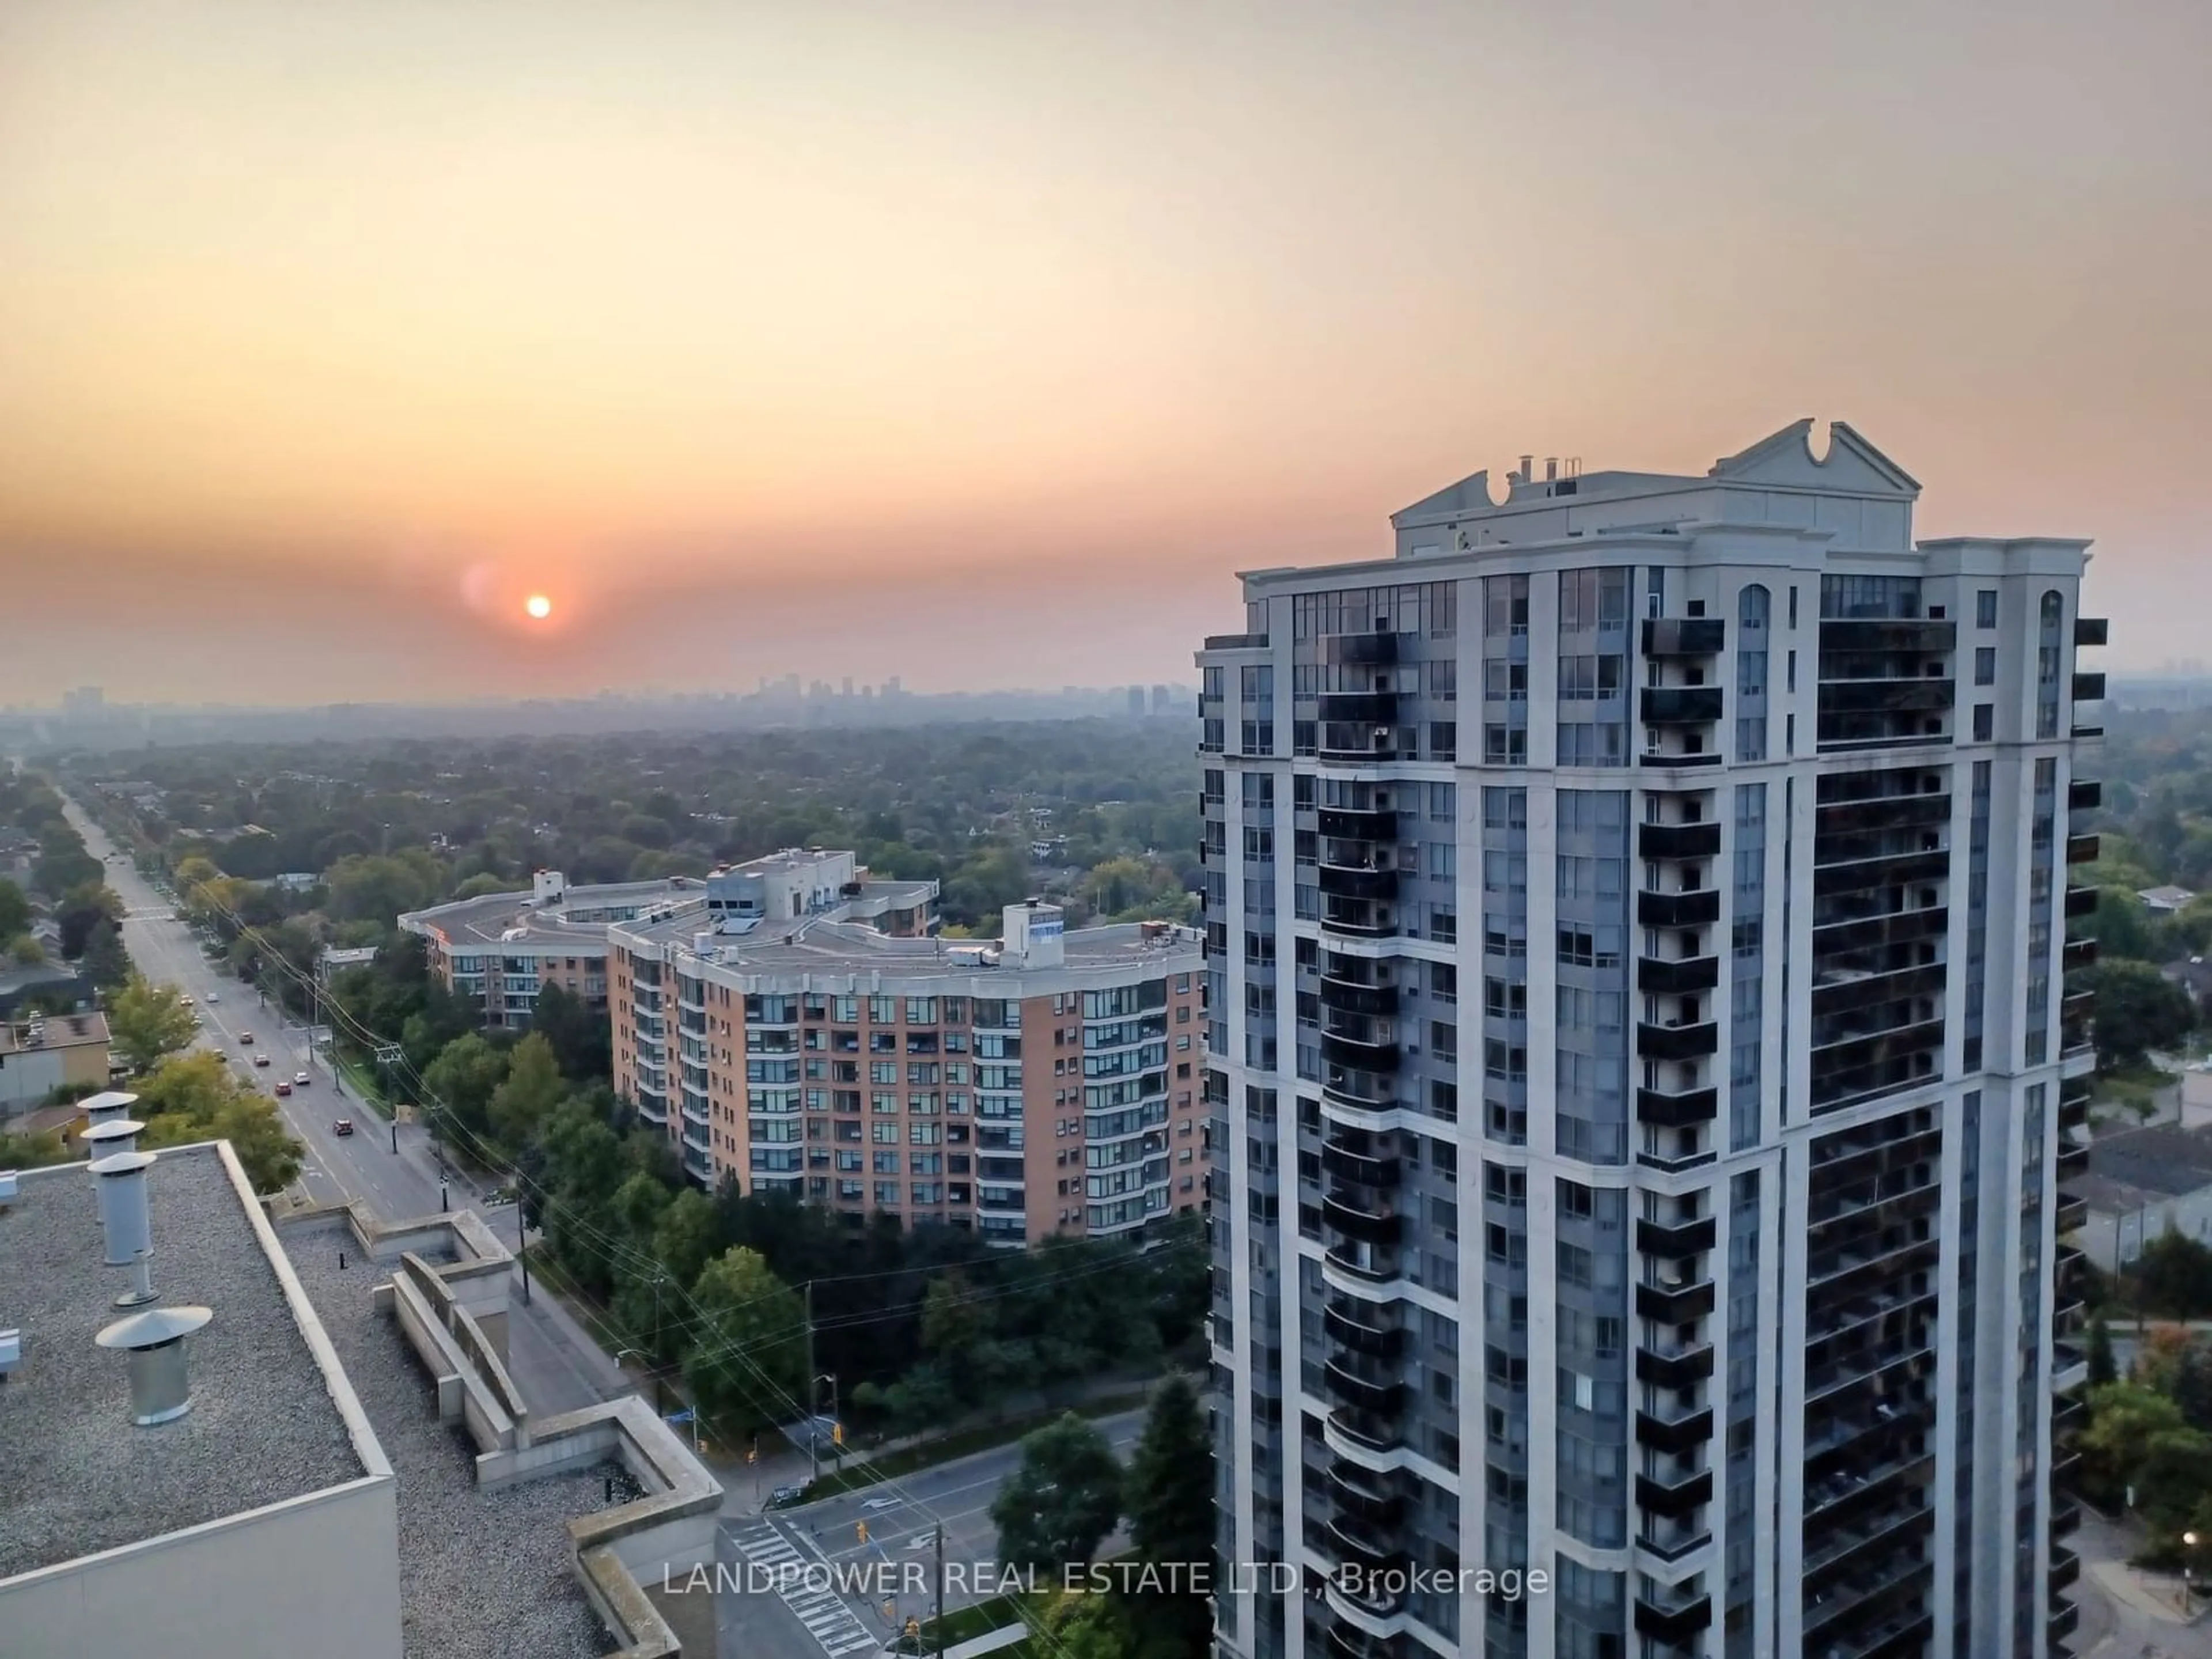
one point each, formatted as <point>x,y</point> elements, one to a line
<point>2188,1546</point>
<point>813,1428</point>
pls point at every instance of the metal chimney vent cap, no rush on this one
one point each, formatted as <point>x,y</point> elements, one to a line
<point>113,1100</point>
<point>119,1129</point>
<point>124,1163</point>
<point>154,1329</point>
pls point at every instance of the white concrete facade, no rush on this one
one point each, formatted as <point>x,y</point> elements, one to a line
<point>1959,1116</point>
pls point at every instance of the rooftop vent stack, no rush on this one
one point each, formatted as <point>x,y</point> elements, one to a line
<point>1551,469</point>
<point>126,1218</point>
<point>1527,468</point>
<point>160,1387</point>
<point>108,1107</point>
<point>106,1140</point>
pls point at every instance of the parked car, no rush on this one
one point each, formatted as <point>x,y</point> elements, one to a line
<point>343,1126</point>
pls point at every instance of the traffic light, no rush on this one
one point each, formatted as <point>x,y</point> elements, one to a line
<point>914,1628</point>
<point>752,1453</point>
<point>836,1434</point>
<point>861,1528</point>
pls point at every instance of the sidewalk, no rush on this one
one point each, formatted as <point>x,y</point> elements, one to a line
<point>2154,1594</point>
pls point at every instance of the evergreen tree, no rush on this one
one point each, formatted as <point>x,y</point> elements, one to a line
<point>2102,1369</point>
<point>1170,1493</point>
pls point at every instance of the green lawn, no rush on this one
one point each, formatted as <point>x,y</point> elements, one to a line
<point>363,1082</point>
<point>2132,1087</point>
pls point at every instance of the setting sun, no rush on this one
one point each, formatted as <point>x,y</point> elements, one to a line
<point>538,606</point>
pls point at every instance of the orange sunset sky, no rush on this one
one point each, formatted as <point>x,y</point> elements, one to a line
<point>980,343</point>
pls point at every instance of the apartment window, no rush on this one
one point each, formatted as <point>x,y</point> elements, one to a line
<point>1443,924</point>
<point>1505,681</point>
<point>1505,605</point>
<point>1985,665</point>
<point>1444,740</point>
<point>1985,608</point>
<point>1502,808</point>
<point>1505,746</point>
<point>1986,714</point>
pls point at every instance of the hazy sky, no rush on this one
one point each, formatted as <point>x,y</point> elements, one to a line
<point>979,342</point>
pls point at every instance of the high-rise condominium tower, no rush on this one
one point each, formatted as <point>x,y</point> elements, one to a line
<point>1641,1072</point>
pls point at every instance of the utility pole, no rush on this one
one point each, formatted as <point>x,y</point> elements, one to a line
<point>940,1620</point>
<point>522,1241</point>
<point>813,1394</point>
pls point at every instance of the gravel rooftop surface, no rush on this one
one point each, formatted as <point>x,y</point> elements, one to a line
<point>76,1475</point>
<point>482,1575</point>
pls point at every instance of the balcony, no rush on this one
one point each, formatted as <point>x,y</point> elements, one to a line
<point>1898,695</point>
<point>1365,1091</point>
<point>1360,707</point>
<point>1699,908</point>
<point>1684,1110</point>
<point>1878,929</point>
<point>1362,1260</point>
<point>2065,1519</point>
<point>2065,1570</point>
<point>1674,1434</point>
<point>1366,1495</point>
<point>1680,705</point>
<point>1839,991</point>
<point>1358,881</point>
<point>1360,746</point>
<point>1358,918</point>
<point>1677,975</point>
<point>1674,1303</point>
<point>1355,1325</point>
<point>1670,1540</point>
<point>1374,1054</point>
<point>1236,642</point>
<point>2091,630</point>
<point>1347,823</point>
<point>1351,1219</point>
<point>2077,954</point>
<point>1364,1385</point>
<point>1928,810</point>
<point>2073,1162</point>
<point>1701,840</point>
<point>1378,1560</point>
<point>2081,849</point>
<point>1675,1495</point>
<point>2088,687</point>
<point>1673,1363</point>
<point>1692,1236</point>
<point>2070,1216</point>
<point>1677,1621</point>
<point>1904,636</point>
<point>1348,996</point>
<point>1693,1041</point>
<point>1377,650</point>
<point>1904,868</point>
<point>1684,637</point>
<point>2084,795</point>
<point>2081,903</point>
<point>1377,1171</point>
<point>1362,1432</point>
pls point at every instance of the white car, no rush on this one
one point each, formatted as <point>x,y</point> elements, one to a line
<point>300,1079</point>
<point>213,996</point>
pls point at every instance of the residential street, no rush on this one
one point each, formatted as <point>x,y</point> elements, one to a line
<point>801,1551</point>
<point>396,1173</point>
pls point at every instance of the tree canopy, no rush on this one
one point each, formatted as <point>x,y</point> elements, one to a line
<point>147,1022</point>
<point>1062,1502</point>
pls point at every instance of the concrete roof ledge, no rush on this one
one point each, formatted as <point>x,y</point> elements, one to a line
<point>623,1604</point>
<point>652,1539</point>
<point>466,1235</point>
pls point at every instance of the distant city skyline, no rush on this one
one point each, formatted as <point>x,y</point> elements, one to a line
<point>980,346</point>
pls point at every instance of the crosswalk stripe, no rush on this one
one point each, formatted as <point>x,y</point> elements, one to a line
<point>832,1624</point>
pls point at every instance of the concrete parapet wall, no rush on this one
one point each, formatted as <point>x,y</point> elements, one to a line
<point>482,1355</point>
<point>625,1609</point>
<point>443,1356</point>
